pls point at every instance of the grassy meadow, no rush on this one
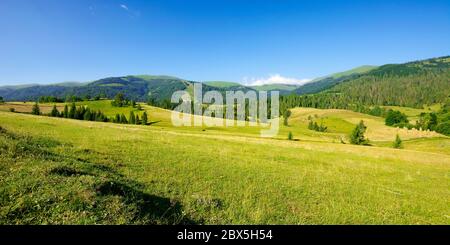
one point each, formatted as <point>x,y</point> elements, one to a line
<point>64,171</point>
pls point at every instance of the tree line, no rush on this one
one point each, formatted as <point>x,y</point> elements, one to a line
<point>85,113</point>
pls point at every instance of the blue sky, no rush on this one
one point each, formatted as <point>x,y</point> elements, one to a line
<point>48,41</point>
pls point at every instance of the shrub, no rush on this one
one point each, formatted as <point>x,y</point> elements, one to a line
<point>357,135</point>
<point>286,116</point>
<point>290,136</point>
<point>444,128</point>
<point>397,142</point>
<point>35,110</point>
<point>395,117</point>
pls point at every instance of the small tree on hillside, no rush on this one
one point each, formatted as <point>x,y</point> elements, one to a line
<point>87,115</point>
<point>72,111</point>
<point>66,111</point>
<point>137,121</point>
<point>144,118</point>
<point>132,118</point>
<point>357,135</point>
<point>119,100</point>
<point>35,110</point>
<point>290,136</point>
<point>286,116</point>
<point>397,142</point>
<point>54,112</point>
<point>123,119</point>
<point>395,117</point>
<point>117,118</point>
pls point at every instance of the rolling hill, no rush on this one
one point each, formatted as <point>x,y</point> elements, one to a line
<point>84,172</point>
<point>326,82</point>
<point>411,84</point>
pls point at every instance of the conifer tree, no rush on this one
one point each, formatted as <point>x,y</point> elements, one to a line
<point>87,115</point>
<point>137,121</point>
<point>66,111</point>
<point>397,142</point>
<point>132,118</point>
<point>35,110</point>
<point>357,135</point>
<point>123,119</point>
<point>144,118</point>
<point>54,112</point>
<point>72,111</point>
<point>290,136</point>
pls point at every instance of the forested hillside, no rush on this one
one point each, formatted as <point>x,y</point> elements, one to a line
<point>412,84</point>
<point>326,82</point>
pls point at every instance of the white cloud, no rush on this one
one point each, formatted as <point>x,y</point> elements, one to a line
<point>124,7</point>
<point>131,12</point>
<point>274,79</point>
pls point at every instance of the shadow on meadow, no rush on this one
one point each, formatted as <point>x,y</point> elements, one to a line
<point>73,190</point>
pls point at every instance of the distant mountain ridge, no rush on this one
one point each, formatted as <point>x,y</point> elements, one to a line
<point>326,82</point>
<point>424,81</point>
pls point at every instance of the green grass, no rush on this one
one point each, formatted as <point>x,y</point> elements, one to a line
<point>57,170</point>
<point>222,84</point>
<point>269,87</point>
<point>414,113</point>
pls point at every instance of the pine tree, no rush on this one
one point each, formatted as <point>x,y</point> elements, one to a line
<point>397,142</point>
<point>137,121</point>
<point>72,111</point>
<point>35,110</point>
<point>286,116</point>
<point>144,118</point>
<point>123,119</point>
<point>54,112</point>
<point>290,136</point>
<point>117,118</point>
<point>357,135</point>
<point>66,111</point>
<point>132,118</point>
<point>87,115</point>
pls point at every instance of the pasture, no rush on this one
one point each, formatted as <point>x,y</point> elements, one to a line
<point>56,170</point>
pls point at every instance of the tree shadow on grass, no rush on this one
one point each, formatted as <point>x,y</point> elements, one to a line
<point>108,183</point>
<point>151,209</point>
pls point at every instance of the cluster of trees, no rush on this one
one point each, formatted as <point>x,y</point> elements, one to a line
<point>85,113</point>
<point>132,119</point>
<point>49,99</point>
<point>2,100</point>
<point>164,103</point>
<point>312,125</point>
<point>121,101</point>
<point>68,98</point>
<point>443,119</point>
<point>74,112</point>
<point>396,119</point>
<point>438,122</point>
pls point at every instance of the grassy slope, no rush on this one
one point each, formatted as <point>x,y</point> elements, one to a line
<point>360,69</point>
<point>222,84</point>
<point>414,113</point>
<point>270,87</point>
<point>221,175</point>
<point>339,122</point>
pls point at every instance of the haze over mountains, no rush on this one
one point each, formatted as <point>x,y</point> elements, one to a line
<point>427,80</point>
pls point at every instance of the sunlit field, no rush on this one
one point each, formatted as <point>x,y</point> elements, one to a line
<point>57,170</point>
